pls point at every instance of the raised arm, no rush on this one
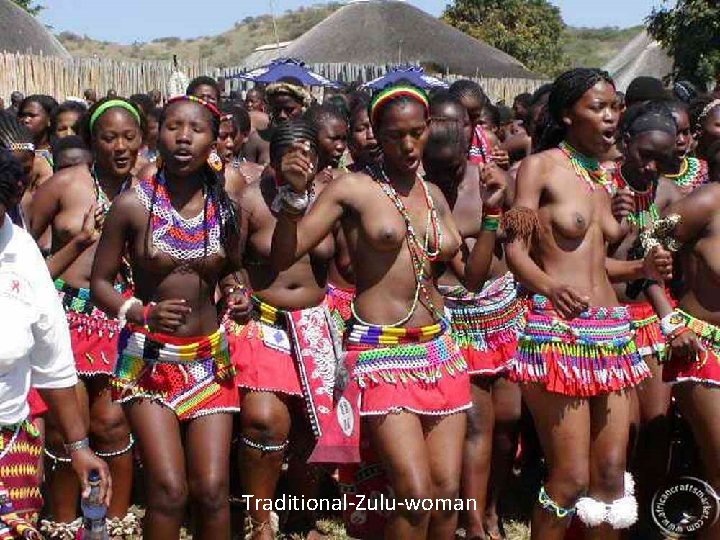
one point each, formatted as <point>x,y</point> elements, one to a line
<point>297,231</point>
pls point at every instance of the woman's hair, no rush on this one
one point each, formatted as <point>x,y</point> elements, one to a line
<point>567,90</point>
<point>68,106</point>
<point>340,104</point>
<point>465,88</point>
<point>155,113</point>
<point>288,133</point>
<point>91,119</point>
<point>13,134</point>
<point>238,115</point>
<point>317,114</point>
<point>48,103</point>
<point>202,80</point>
<point>144,101</point>
<point>441,99</point>
<point>650,116</point>
<point>445,133</point>
<point>357,101</point>
<point>11,174</point>
<point>394,95</point>
<point>699,110</point>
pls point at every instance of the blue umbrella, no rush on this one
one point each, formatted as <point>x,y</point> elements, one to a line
<point>414,75</point>
<point>283,68</point>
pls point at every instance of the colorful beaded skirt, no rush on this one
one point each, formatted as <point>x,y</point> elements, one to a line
<point>646,327</point>
<point>705,369</point>
<point>93,336</point>
<point>590,355</point>
<point>193,376</point>
<point>486,325</point>
<point>20,454</point>
<point>420,370</point>
<point>339,301</point>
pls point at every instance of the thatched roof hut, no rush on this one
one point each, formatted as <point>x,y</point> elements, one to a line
<point>20,32</point>
<point>642,56</point>
<point>381,32</point>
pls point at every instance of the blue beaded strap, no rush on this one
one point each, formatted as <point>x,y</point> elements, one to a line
<point>546,503</point>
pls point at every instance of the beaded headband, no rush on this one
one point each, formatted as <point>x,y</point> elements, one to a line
<point>22,147</point>
<point>706,110</point>
<point>209,106</point>
<point>385,96</point>
<point>111,104</point>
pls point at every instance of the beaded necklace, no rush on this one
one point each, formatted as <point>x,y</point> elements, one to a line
<point>420,252</point>
<point>646,211</point>
<point>693,173</point>
<point>587,169</point>
<point>104,203</point>
<point>181,238</point>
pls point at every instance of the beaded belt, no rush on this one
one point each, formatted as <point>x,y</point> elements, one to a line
<point>77,300</point>
<point>370,334</point>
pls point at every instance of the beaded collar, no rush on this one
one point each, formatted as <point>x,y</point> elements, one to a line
<point>646,211</point>
<point>181,238</point>
<point>587,169</point>
<point>693,173</point>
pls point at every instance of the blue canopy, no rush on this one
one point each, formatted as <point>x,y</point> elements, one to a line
<point>283,68</point>
<point>414,75</point>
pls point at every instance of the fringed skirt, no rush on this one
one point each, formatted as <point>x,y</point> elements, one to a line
<point>192,376</point>
<point>420,370</point>
<point>705,369</point>
<point>486,325</point>
<point>590,355</point>
<point>93,335</point>
<point>646,326</point>
<point>20,450</point>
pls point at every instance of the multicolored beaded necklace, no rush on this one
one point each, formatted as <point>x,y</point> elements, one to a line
<point>420,252</point>
<point>587,169</point>
<point>181,238</point>
<point>646,211</point>
<point>693,173</point>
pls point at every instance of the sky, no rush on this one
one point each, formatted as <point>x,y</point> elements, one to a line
<point>144,20</point>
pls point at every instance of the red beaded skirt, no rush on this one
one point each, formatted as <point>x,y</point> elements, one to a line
<point>646,325</point>
<point>703,369</point>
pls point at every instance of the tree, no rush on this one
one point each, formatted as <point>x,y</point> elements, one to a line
<point>690,32</point>
<point>529,30</point>
<point>28,6</point>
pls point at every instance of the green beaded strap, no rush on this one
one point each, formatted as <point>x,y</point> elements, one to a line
<point>546,503</point>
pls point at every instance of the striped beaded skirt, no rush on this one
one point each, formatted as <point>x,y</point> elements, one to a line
<point>420,370</point>
<point>20,449</point>
<point>590,355</point>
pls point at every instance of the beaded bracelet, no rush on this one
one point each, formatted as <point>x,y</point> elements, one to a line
<point>76,445</point>
<point>671,322</point>
<point>491,221</point>
<point>124,308</point>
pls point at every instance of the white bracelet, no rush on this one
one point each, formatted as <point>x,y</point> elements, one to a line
<point>289,200</point>
<point>671,322</point>
<point>122,312</point>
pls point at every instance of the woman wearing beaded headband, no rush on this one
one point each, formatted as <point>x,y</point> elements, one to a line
<point>73,205</point>
<point>173,371</point>
<point>705,121</point>
<point>576,359</point>
<point>649,137</point>
<point>692,329</point>
<point>486,315</point>
<point>412,377</point>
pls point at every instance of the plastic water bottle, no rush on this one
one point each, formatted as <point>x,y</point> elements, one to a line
<point>94,511</point>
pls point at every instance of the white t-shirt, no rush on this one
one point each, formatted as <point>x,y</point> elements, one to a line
<point>34,338</point>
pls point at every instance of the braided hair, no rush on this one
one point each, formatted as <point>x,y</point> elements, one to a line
<point>567,90</point>
<point>290,132</point>
<point>465,88</point>
<point>13,134</point>
<point>317,114</point>
<point>12,179</point>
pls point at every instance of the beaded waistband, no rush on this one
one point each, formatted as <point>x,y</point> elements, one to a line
<point>77,300</point>
<point>367,334</point>
<point>541,304</point>
<point>138,342</point>
<point>268,314</point>
<point>706,331</point>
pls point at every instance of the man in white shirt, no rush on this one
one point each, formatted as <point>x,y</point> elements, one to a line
<point>34,351</point>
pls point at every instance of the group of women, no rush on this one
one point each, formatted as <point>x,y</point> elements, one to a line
<point>246,267</point>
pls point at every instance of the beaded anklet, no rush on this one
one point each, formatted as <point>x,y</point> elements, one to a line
<point>546,503</point>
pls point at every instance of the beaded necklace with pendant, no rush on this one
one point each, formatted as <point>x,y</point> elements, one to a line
<point>587,169</point>
<point>693,173</point>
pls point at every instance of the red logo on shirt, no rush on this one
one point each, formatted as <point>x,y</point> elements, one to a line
<point>15,287</point>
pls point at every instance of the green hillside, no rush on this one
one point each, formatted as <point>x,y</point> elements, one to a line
<point>583,46</point>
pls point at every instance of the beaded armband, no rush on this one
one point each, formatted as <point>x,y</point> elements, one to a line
<point>671,323</point>
<point>660,234</point>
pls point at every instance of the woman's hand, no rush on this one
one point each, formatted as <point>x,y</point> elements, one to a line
<point>623,204</point>
<point>685,346</point>
<point>567,301</point>
<point>501,157</point>
<point>84,461</point>
<point>296,167</point>
<point>658,264</point>
<point>492,186</point>
<point>89,233</point>
<point>167,316</point>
